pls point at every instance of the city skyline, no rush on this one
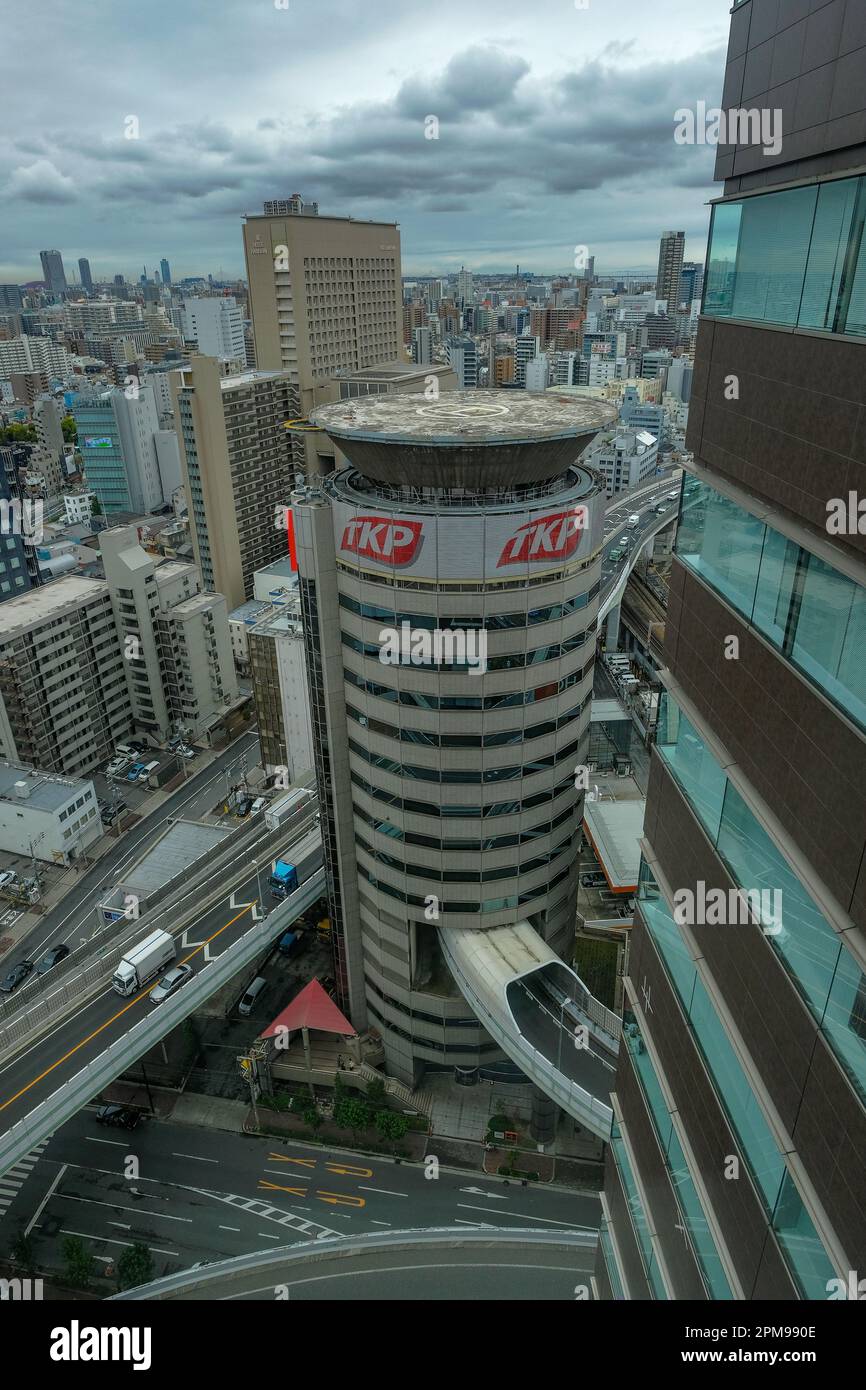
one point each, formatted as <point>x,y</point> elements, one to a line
<point>587,120</point>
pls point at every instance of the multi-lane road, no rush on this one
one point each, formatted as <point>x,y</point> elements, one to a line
<point>193,1195</point>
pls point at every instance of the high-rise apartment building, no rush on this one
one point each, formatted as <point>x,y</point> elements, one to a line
<point>237,466</point>
<point>324,295</point>
<point>52,271</point>
<point>85,275</point>
<point>735,1168</point>
<point>278,669</point>
<point>446,774</point>
<point>64,701</point>
<point>215,325</point>
<point>174,638</point>
<point>117,437</point>
<point>463,361</point>
<point>422,346</point>
<point>671,250</point>
<point>165,271</point>
<point>526,346</point>
<point>464,288</point>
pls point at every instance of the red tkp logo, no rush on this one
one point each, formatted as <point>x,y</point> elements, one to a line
<point>383,538</point>
<point>554,537</point>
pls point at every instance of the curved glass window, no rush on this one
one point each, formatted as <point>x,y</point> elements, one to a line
<point>487,905</point>
<point>813,615</point>
<point>795,257</point>
<point>798,1239</point>
<point>638,1215</point>
<point>494,622</point>
<point>460,875</point>
<point>503,738</point>
<point>512,661</point>
<point>819,963</point>
<point>418,699</point>
<point>432,774</point>
<point>494,808</point>
<point>385,827</point>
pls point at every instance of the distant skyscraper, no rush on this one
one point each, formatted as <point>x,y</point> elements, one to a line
<point>165,271</point>
<point>670,271</point>
<point>464,287</point>
<point>691,282</point>
<point>84,273</point>
<point>52,271</point>
<point>422,346</point>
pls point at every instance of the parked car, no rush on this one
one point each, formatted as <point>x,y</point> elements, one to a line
<point>244,806</point>
<point>170,982</point>
<point>52,958</point>
<point>593,880</point>
<point>135,772</point>
<point>7,878</point>
<point>117,766</point>
<point>185,752</point>
<point>118,1115</point>
<point>147,769</point>
<point>258,805</point>
<point>17,975</point>
<point>111,813</point>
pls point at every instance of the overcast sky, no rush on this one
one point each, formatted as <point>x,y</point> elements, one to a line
<point>555,127</point>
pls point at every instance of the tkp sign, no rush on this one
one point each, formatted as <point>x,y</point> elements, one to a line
<point>386,539</point>
<point>546,538</point>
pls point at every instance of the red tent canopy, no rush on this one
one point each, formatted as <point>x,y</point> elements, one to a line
<point>312,1008</point>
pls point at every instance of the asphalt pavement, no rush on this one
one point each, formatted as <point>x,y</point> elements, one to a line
<point>193,1195</point>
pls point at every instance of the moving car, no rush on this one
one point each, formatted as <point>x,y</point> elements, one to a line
<point>249,998</point>
<point>52,958</point>
<point>170,982</point>
<point>117,1115</point>
<point>17,975</point>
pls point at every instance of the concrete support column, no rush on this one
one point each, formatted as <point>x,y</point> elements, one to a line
<point>611,636</point>
<point>542,1124</point>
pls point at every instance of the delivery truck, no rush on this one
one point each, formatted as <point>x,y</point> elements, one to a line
<point>286,806</point>
<point>284,879</point>
<point>142,962</point>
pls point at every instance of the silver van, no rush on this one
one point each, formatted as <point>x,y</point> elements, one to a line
<point>245,1007</point>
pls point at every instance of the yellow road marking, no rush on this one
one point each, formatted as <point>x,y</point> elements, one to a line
<point>284,1158</point>
<point>348,1171</point>
<point>265,1186</point>
<point>108,1022</point>
<point>337,1199</point>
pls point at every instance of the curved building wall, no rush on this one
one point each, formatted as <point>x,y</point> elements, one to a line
<point>458,792</point>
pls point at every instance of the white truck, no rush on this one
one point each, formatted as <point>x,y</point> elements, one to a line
<point>634,519</point>
<point>142,962</point>
<point>286,806</point>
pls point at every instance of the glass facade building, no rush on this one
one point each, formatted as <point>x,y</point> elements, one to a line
<point>735,1168</point>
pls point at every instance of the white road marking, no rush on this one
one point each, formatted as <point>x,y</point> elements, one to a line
<point>115,1143</point>
<point>43,1204</point>
<point>197,1157</point>
<point>230,1228</point>
<point>118,1206</point>
<point>386,1190</point>
<point>106,1240</point>
<point>523,1216</point>
<point>265,1235</point>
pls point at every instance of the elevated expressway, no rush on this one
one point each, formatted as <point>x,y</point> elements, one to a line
<point>532,1004</point>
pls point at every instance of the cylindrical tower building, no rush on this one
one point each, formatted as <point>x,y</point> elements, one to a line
<point>449,579</point>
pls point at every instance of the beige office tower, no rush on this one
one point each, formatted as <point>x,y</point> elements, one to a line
<point>325,300</point>
<point>236,460</point>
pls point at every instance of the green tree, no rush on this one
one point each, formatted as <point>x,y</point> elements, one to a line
<point>352,1114</point>
<point>376,1093</point>
<point>311,1116</point>
<point>391,1125</point>
<point>95,507</point>
<point>134,1267</point>
<point>69,428</point>
<point>21,1251</point>
<point>79,1264</point>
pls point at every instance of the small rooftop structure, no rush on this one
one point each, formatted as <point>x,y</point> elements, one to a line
<point>614,829</point>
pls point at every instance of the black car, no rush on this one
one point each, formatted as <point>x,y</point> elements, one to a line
<point>245,805</point>
<point>110,813</point>
<point>592,880</point>
<point>52,958</point>
<point>17,975</point>
<point>118,1115</point>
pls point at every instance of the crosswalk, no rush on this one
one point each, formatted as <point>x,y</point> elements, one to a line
<point>12,1182</point>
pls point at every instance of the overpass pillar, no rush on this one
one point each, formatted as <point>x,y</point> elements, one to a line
<point>542,1125</point>
<point>611,636</point>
